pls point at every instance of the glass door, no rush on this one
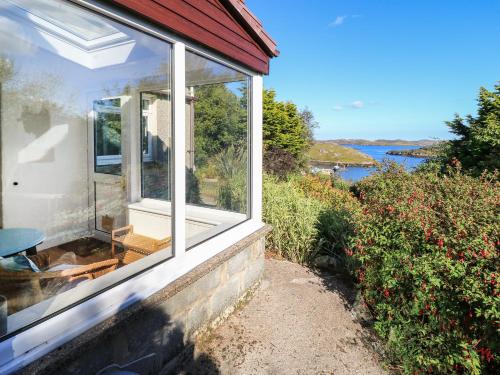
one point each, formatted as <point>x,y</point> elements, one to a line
<point>109,172</point>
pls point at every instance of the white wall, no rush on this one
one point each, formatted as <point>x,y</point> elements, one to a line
<point>45,152</point>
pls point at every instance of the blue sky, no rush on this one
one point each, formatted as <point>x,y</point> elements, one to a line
<point>382,68</point>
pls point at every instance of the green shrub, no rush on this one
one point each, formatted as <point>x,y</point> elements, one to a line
<point>428,249</point>
<point>336,224</point>
<point>309,216</point>
<point>294,218</point>
<point>231,170</point>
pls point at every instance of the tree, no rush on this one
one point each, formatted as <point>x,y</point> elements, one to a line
<point>286,133</point>
<point>311,124</point>
<point>477,146</point>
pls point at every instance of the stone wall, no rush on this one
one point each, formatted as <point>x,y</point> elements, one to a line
<point>149,336</point>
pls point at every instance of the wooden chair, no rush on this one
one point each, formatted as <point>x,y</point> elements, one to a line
<point>23,289</point>
<point>135,246</point>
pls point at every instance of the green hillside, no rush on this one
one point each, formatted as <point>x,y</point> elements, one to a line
<point>331,153</point>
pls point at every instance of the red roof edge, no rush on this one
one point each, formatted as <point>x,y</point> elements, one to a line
<point>252,24</point>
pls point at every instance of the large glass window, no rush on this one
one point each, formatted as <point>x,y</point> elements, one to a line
<point>85,134</point>
<point>217,148</point>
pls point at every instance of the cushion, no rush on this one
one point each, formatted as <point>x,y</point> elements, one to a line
<point>18,263</point>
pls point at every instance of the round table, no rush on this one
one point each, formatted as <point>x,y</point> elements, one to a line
<point>17,240</point>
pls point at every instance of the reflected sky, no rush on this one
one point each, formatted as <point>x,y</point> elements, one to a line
<point>37,58</point>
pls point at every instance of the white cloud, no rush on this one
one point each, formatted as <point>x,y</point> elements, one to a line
<point>338,21</point>
<point>357,104</point>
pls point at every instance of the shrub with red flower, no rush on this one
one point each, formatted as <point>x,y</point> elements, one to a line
<point>430,265</point>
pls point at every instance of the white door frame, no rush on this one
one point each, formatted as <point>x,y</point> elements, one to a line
<point>95,177</point>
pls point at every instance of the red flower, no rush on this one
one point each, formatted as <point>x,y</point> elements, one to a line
<point>361,276</point>
<point>387,293</point>
<point>485,239</point>
<point>440,243</point>
<point>486,354</point>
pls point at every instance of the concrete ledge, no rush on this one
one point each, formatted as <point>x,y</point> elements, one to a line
<point>162,326</point>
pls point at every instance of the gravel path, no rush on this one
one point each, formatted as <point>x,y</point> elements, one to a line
<point>296,323</point>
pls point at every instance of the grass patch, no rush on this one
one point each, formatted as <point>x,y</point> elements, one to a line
<point>334,153</point>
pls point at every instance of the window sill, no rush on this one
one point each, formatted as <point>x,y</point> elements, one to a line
<point>27,346</point>
<point>202,214</point>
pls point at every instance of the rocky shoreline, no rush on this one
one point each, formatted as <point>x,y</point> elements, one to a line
<point>409,153</point>
<point>328,164</point>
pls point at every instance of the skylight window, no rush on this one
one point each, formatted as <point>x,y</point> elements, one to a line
<point>68,17</point>
<point>73,33</point>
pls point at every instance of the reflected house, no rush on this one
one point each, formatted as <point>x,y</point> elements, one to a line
<point>131,148</point>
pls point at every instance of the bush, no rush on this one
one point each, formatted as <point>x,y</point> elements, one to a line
<point>279,163</point>
<point>309,216</point>
<point>428,249</point>
<point>337,221</point>
<point>294,219</point>
<point>231,170</point>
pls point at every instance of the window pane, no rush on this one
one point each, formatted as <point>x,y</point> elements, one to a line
<point>108,136</point>
<point>217,160</point>
<point>156,141</point>
<point>83,100</point>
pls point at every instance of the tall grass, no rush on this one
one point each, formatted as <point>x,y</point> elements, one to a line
<point>294,218</point>
<point>231,169</point>
<point>309,217</point>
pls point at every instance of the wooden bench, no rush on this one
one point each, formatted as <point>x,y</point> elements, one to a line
<point>135,246</point>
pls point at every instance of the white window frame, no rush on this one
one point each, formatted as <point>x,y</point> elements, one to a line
<point>147,113</point>
<point>42,338</point>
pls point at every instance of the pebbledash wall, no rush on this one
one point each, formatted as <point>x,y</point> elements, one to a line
<point>151,336</point>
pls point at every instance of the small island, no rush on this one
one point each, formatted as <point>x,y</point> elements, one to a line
<point>328,154</point>
<point>422,152</point>
<point>384,142</point>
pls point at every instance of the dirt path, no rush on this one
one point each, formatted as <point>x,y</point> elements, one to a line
<point>296,323</point>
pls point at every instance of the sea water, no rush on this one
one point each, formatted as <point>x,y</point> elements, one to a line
<point>379,153</point>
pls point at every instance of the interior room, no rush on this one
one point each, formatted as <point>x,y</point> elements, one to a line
<point>86,152</point>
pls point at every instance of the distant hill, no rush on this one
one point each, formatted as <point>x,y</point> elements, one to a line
<point>422,152</point>
<point>329,154</point>
<point>382,142</point>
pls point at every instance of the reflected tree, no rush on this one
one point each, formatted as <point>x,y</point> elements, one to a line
<point>220,121</point>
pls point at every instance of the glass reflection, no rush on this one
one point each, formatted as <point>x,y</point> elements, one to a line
<point>217,128</point>
<point>83,100</point>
